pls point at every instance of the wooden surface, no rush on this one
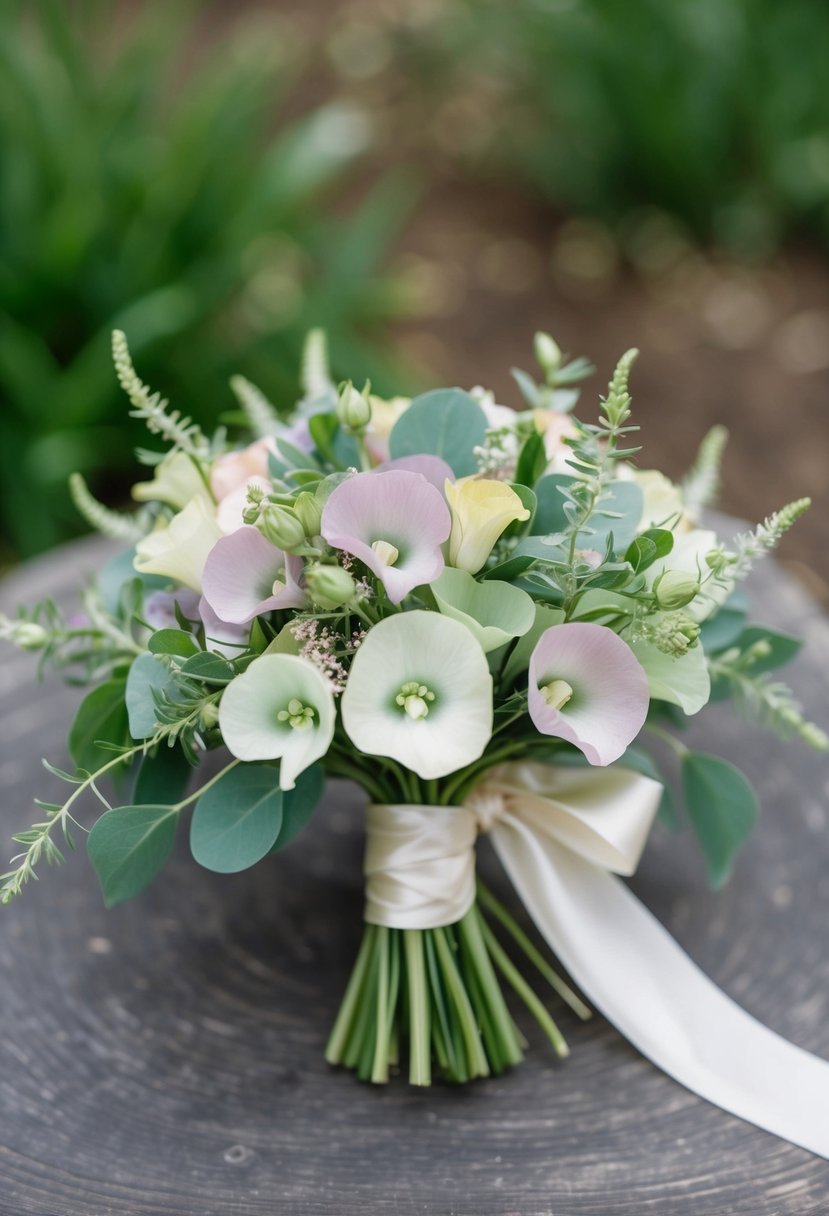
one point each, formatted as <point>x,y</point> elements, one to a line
<point>166,1057</point>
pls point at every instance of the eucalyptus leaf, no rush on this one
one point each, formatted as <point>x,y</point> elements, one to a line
<point>723,629</point>
<point>237,821</point>
<point>782,647</point>
<point>446,422</point>
<point>120,570</point>
<point>163,776</point>
<point>722,808</point>
<point>173,641</point>
<point>208,667</point>
<point>128,846</point>
<point>641,762</point>
<point>299,804</point>
<point>549,512</point>
<point>147,675</point>
<point>101,716</point>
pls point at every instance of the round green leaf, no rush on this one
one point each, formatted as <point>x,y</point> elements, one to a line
<point>236,822</point>
<point>446,422</point>
<point>722,808</point>
<point>299,804</point>
<point>101,716</point>
<point>128,846</point>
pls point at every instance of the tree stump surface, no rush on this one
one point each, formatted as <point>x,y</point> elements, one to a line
<point>166,1057</point>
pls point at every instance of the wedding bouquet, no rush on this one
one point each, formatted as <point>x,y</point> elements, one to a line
<point>478,615</point>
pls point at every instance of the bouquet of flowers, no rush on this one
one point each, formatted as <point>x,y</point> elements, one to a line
<point>480,616</point>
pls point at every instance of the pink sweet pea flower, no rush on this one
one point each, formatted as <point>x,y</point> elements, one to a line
<point>587,686</point>
<point>231,471</point>
<point>245,576</point>
<point>394,522</point>
<point>436,471</point>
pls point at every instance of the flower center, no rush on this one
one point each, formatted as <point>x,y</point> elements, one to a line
<point>557,693</point>
<point>279,584</point>
<point>414,699</point>
<point>386,552</point>
<point>297,715</point>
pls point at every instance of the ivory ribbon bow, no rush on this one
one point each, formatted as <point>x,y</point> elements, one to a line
<point>563,834</point>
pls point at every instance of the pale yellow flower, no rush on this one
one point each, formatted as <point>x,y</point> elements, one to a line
<point>481,510</point>
<point>175,481</point>
<point>178,549</point>
<point>384,414</point>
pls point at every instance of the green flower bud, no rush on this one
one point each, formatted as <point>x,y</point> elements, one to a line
<point>308,510</point>
<point>330,586</point>
<point>547,353</point>
<point>29,636</point>
<point>675,588</point>
<point>209,716</point>
<point>353,408</point>
<point>282,527</point>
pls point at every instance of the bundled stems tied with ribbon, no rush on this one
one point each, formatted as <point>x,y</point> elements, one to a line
<point>429,963</point>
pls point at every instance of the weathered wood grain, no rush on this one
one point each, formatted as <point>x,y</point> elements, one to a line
<point>166,1057</point>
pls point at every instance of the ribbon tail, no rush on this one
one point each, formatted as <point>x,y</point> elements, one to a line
<point>634,972</point>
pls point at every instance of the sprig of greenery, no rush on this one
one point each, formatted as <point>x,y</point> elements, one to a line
<point>764,700</point>
<point>39,838</point>
<point>114,524</point>
<point>701,485</point>
<point>316,375</point>
<point>730,566</point>
<point>259,412</point>
<point>152,408</point>
<point>595,453</point>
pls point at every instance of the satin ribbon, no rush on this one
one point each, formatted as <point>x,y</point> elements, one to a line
<point>563,835</point>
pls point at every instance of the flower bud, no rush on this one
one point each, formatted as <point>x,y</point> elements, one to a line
<point>353,408</point>
<point>282,527</point>
<point>675,588</point>
<point>308,510</point>
<point>330,586</point>
<point>29,636</point>
<point>547,353</point>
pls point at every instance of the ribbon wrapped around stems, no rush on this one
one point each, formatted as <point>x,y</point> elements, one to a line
<point>563,835</point>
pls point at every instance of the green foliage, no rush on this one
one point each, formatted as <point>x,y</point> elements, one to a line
<point>148,677</point>
<point>245,816</point>
<point>446,422</point>
<point>101,717</point>
<point>710,112</point>
<point>722,808</point>
<point>150,187</point>
<point>236,822</point>
<point>128,846</point>
<point>162,777</point>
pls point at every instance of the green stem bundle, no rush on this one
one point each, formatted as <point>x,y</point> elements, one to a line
<point>437,991</point>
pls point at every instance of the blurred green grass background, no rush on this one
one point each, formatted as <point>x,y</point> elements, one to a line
<point>430,182</point>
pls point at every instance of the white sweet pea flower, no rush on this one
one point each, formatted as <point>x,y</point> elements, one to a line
<point>420,692</point>
<point>179,549</point>
<point>280,708</point>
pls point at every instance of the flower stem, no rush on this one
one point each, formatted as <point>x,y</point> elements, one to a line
<point>380,1066</point>
<point>556,982</point>
<point>524,991</point>
<point>338,1039</point>
<point>420,1065</point>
